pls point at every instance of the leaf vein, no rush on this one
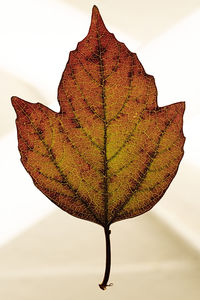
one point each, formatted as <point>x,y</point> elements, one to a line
<point>78,151</point>
<point>130,87</point>
<point>83,96</point>
<point>80,126</point>
<point>141,178</point>
<point>64,177</point>
<point>128,137</point>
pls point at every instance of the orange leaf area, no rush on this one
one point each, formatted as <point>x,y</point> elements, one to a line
<point>111,152</point>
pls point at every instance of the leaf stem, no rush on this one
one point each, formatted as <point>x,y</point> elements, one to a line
<point>104,284</point>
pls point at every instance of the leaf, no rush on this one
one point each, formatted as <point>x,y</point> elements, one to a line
<point>111,152</point>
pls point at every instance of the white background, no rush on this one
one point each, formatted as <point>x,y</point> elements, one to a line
<point>36,37</point>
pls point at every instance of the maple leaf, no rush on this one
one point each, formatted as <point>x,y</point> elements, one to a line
<point>111,152</point>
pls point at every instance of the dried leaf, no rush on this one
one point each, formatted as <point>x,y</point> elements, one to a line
<point>111,152</point>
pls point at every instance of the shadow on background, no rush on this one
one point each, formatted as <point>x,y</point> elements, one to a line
<point>143,20</point>
<point>13,86</point>
<point>62,257</point>
<point>53,260</point>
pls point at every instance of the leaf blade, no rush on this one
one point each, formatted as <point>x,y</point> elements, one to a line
<point>111,152</point>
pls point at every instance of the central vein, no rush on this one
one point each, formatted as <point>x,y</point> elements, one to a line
<point>105,160</point>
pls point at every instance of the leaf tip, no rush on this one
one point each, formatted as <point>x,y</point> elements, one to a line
<point>180,107</point>
<point>183,105</point>
<point>19,104</point>
<point>15,101</point>
<point>95,10</point>
<point>96,17</point>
